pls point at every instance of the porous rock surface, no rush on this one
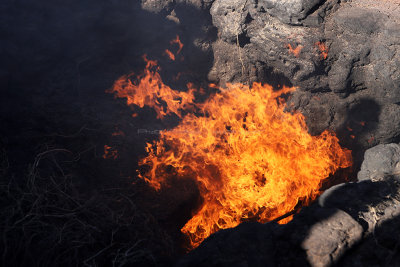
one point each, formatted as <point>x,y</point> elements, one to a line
<point>380,161</point>
<point>353,224</point>
<point>344,57</point>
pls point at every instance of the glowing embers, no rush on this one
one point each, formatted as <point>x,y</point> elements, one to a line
<point>294,51</point>
<point>249,158</point>
<point>322,49</point>
<point>110,152</point>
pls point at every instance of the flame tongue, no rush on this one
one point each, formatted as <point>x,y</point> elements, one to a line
<point>150,91</point>
<point>249,158</point>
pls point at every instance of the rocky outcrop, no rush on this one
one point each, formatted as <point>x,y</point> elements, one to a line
<point>351,224</point>
<point>344,57</point>
<point>291,12</point>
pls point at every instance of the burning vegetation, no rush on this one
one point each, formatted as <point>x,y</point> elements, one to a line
<point>250,159</point>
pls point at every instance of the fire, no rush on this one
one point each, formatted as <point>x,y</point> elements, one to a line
<point>250,159</point>
<point>295,51</point>
<point>118,133</point>
<point>178,42</point>
<point>170,54</point>
<point>323,49</point>
<point>151,91</point>
<point>110,152</point>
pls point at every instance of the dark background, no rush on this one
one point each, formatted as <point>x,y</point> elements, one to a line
<point>62,203</point>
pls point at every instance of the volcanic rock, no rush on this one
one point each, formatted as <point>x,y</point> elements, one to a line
<point>159,6</point>
<point>344,57</point>
<point>292,12</point>
<point>329,239</point>
<point>379,162</point>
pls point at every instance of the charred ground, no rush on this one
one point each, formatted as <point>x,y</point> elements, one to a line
<point>62,203</point>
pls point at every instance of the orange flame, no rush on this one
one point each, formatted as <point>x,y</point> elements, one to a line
<point>323,49</point>
<point>295,51</point>
<point>178,42</point>
<point>170,54</point>
<point>180,46</point>
<point>110,153</point>
<point>249,158</point>
<point>151,91</point>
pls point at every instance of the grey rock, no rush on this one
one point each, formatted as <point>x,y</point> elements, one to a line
<point>352,32</point>
<point>166,6</point>
<point>329,239</point>
<point>354,91</point>
<point>289,11</point>
<point>263,38</point>
<point>329,193</point>
<point>229,16</point>
<point>157,6</point>
<point>200,4</point>
<point>379,162</point>
<point>367,201</point>
<point>378,249</point>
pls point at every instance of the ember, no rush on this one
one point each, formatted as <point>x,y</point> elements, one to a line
<point>323,50</point>
<point>110,152</point>
<point>295,51</point>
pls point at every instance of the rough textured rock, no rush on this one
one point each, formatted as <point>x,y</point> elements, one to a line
<point>344,57</point>
<point>378,249</point>
<point>291,11</point>
<point>370,58</point>
<point>158,6</point>
<point>230,18</point>
<point>368,202</point>
<point>329,239</point>
<point>379,162</point>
